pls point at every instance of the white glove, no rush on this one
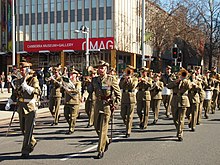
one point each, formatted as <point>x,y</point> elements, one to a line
<point>8,104</point>
<point>27,88</point>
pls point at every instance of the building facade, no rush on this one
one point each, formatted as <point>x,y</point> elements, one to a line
<point>114,32</point>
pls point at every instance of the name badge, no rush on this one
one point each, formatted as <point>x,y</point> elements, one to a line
<point>105,86</point>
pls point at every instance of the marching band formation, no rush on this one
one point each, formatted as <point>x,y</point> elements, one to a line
<point>183,94</point>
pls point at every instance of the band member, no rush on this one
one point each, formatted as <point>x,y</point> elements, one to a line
<point>128,84</point>
<point>208,87</point>
<point>104,86</point>
<point>55,95</point>
<point>215,91</point>
<point>26,93</point>
<point>167,96</point>
<point>199,78</point>
<point>156,96</point>
<point>180,100</point>
<point>194,100</point>
<point>143,97</point>
<point>72,100</point>
<point>90,100</point>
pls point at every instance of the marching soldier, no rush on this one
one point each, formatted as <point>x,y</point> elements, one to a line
<point>90,100</point>
<point>55,95</point>
<point>199,78</point>
<point>72,100</point>
<point>128,84</point>
<point>215,91</point>
<point>166,79</point>
<point>27,94</point>
<point>156,96</point>
<point>208,86</point>
<point>104,86</point>
<point>180,101</point>
<point>194,100</point>
<point>143,97</point>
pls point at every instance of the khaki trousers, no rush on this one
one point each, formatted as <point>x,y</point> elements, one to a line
<point>166,102</point>
<point>89,108</point>
<point>143,108</point>
<point>27,126</point>
<point>156,108</point>
<point>127,113</point>
<point>207,107</point>
<point>102,114</point>
<point>71,114</point>
<point>181,117</point>
<point>54,107</point>
<point>192,113</point>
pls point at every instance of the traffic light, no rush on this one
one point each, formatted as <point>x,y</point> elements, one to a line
<point>175,52</point>
<point>180,57</point>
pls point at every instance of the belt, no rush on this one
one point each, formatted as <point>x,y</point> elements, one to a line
<point>24,100</point>
<point>126,90</point>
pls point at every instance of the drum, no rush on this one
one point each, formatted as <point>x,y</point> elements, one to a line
<point>208,94</point>
<point>166,91</point>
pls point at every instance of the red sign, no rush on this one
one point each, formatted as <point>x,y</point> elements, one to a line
<point>74,44</point>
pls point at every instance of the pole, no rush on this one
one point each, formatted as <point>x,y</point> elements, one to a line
<point>87,47</point>
<point>143,32</point>
<point>13,32</point>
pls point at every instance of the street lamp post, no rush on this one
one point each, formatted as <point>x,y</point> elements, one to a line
<point>85,30</point>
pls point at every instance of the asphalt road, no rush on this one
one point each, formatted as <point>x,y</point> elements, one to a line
<point>156,145</point>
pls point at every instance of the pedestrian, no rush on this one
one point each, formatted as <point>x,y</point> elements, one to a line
<point>143,97</point>
<point>103,86</point>
<point>9,78</point>
<point>72,100</point>
<point>27,95</point>
<point>2,80</point>
<point>128,84</point>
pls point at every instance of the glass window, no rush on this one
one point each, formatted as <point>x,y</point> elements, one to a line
<point>21,9</point>
<point>93,13</point>
<point>52,6</point>
<point>65,16</point>
<point>79,4</point>
<point>32,18</point>
<point>87,24</point>
<point>94,3</point>
<point>72,16</point>
<point>45,17</point>
<point>20,19</point>
<point>109,33</point>
<point>65,5</point>
<point>87,4</point>
<point>59,31</point>
<point>33,10</point>
<point>39,32</point>
<point>27,9</point>
<point>108,13</point>
<point>102,3</point>
<point>72,32</point>
<point>46,34</point>
<point>58,16</point>
<point>72,5</point>
<point>93,29</point>
<point>52,17</point>
<point>26,19</point>
<point>101,13</point>
<point>33,31</point>
<point>27,34</point>
<point>39,5</point>
<point>38,18</point>
<point>79,15</point>
<point>108,2</point>
<point>52,34</point>
<point>58,5</point>
<point>109,24</point>
<point>101,28</point>
<point>45,5</point>
<point>86,14</point>
<point>80,35</point>
<point>65,28</point>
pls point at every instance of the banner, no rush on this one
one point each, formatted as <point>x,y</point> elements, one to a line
<point>73,44</point>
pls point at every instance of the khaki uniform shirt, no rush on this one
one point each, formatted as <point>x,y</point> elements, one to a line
<point>144,89</point>
<point>56,87</point>
<point>73,96</point>
<point>156,92</point>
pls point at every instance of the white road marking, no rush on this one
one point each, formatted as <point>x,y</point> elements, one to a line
<point>88,149</point>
